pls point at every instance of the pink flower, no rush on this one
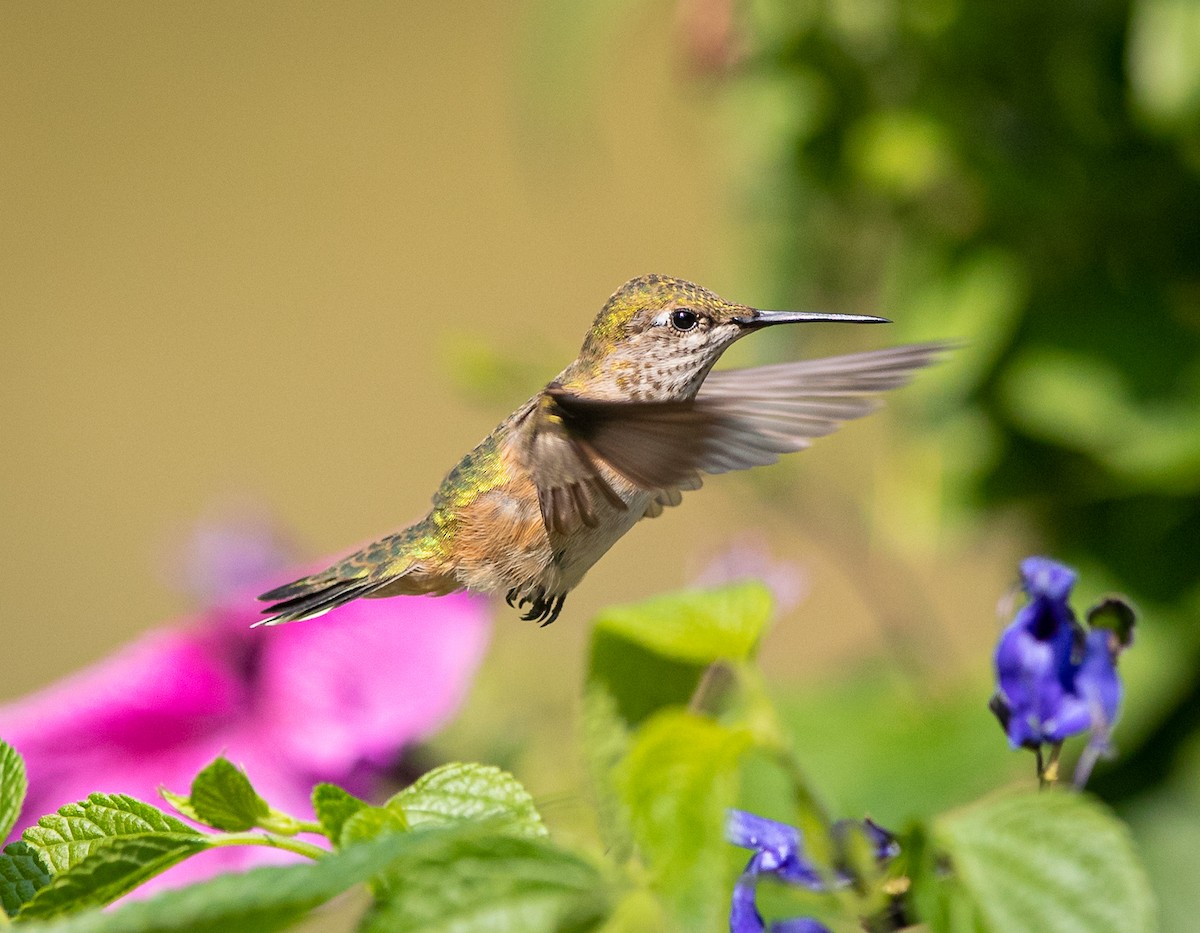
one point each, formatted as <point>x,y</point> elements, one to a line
<point>334,699</point>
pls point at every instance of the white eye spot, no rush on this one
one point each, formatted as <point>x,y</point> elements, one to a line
<point>660,320</point>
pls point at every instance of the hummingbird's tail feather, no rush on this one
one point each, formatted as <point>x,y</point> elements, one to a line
<point>399,564</point>
<point>308,598</point>
<point>299,587</point>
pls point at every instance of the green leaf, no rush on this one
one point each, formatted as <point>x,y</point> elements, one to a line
<point>935,894</point>
<point>333,807</point>
<point>13,786</point>
<point>101,848</point>
<point>223,798</point>
<point>605,743</point>
<point>370,822</point>
<point>110,871</point>
<point>638,910</point>
<point>638,681</point>
<point>653,654</point>
<point>460,793</point>
<point>180,804</point>
<point>466,881</point>
<point>678,781</point>
<point>695,626</point>
<point>22,872</point>
<point>65,838</point>
<point>1036,862</point>
<point>262,899</point>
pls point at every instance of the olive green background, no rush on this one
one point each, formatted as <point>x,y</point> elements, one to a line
<point>243,250</point>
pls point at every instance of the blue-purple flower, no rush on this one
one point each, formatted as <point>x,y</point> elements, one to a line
<point>1055,677</point>
<point>779,851</point>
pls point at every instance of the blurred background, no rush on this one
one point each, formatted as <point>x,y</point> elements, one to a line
<point>294,260</point>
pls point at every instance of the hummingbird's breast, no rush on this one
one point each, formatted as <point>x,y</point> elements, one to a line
<point>495,539</point>
<point>576,553</point>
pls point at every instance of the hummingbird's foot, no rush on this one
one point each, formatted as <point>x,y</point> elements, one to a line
<point>542,608</point>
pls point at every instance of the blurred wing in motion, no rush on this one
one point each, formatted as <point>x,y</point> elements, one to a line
<point>571,489</point>
<point>740,418</point>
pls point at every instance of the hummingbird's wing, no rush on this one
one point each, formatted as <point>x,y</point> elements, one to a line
<point>740,418</point>
<point>572,491</point>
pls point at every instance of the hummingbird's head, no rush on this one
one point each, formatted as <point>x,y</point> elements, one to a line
<point>657,337</point>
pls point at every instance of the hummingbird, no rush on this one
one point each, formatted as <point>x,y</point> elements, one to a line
<point>619,435</point>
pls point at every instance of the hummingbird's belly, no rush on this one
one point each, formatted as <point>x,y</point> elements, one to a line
<point>501,542</point>
<point>584,547</point>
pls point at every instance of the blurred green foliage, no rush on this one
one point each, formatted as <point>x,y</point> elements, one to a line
<point>1025,176</point>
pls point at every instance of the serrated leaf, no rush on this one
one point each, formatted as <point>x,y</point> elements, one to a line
<point>370,822</point>
<point>222,797</point>
<point>13,785</point>
<point>1053,861</point>
<point>695,626</point>
<point>467,882</point>
<point>677,782</point>
<point>653,654</point>
<point>462,793</point>
<point>605,744</point>
<point>22,872</point>
<point>110,871</point>
<point>935,894</point>
<point>180,804</point>
<point>639,681</point>
<point>67,837</point>
<point>262,899</point>
<point>333,807</point>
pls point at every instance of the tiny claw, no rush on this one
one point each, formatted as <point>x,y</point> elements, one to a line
<point>553,609</point>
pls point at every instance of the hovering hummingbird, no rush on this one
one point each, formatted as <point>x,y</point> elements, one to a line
<point>617,436</point>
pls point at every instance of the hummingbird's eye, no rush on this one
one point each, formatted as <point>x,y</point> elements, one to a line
<point>683,319</point>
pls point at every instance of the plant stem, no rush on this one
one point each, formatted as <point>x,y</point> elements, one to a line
<point>812,819</point>
<point>274,841</point>
<point>1048,775</point>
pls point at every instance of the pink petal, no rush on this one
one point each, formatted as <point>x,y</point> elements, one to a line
<point>356,685</point>
<point>332,699</point>
<point>167,684</point>
<point>88,731</point>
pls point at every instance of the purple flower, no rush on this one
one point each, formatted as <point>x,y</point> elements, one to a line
<point>883,842</point>
<point>745,918</point>
<point>749,557</point>
<point>334,700</point>
<point>778,851</point>
<point>1055,678</point>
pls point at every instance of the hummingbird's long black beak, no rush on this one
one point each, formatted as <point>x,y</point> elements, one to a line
<point>755,318</point>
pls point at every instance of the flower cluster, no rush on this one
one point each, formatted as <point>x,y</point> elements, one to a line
<point>779,852</point>
<point>1057,678</point>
